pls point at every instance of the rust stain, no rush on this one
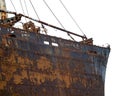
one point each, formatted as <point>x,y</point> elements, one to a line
<point>19,78</point>
<point>44,64</point>
<point>2,84</point>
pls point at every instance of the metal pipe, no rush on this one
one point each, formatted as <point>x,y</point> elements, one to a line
<point>3,15</point>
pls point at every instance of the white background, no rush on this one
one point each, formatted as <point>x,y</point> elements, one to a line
<point>99,19</point>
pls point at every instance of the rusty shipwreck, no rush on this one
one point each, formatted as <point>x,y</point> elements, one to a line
<point>36,64</point>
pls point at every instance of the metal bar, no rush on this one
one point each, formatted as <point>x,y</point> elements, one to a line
<point>47,24</point>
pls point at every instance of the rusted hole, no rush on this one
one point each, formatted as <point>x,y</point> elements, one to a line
<point>46,42</point>
<point>12,35</point>
<point>92,52</point>
<point>55,44</point>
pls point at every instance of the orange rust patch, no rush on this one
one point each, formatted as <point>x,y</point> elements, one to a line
<point>44,64</point>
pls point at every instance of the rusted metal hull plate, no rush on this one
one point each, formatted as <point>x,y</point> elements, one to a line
<point>39,65</point>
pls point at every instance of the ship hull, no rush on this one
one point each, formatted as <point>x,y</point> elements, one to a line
<point>33,64</point>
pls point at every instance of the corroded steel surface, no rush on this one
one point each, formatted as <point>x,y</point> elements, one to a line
<point>40,65</point>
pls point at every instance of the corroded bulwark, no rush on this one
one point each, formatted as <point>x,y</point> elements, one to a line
<point>33,64</point>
